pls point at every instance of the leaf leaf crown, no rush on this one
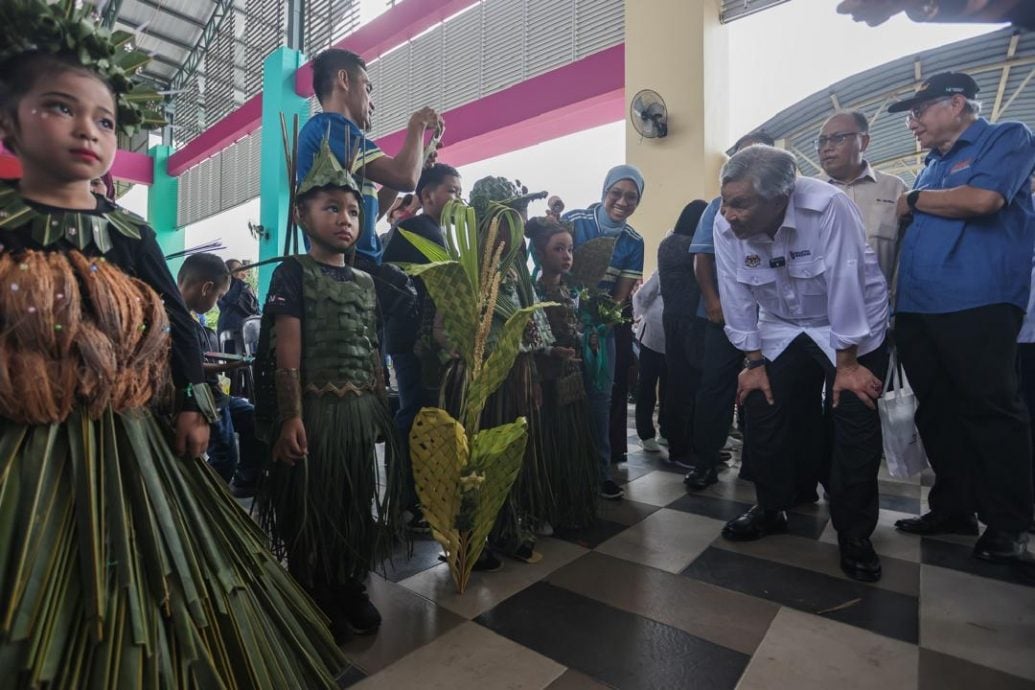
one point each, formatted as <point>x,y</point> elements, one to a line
<point>28,26</point>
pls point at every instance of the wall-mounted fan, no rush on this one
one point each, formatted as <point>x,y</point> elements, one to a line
<point>649,115</point>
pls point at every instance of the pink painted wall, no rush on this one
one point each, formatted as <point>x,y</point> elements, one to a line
<point>569,99</point>
<point>128,167</point>
<point>572,98</point>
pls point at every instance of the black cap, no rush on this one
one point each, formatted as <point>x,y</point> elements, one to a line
<point>939,86</point>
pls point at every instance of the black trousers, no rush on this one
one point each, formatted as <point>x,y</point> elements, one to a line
<point>625,361</point>
<point>713,409</point>
<point>971,416</point>
<point>651,385</point>
<point>1026,363</point>
<point>683,349</point>
<point>796,376</point>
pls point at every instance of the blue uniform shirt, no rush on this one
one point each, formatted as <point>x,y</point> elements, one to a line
<point>627,256</point>
<point>343,130</point>
<point>947,264</point>
<point>704,241</point>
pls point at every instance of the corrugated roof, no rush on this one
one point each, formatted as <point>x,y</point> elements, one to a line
<point>1002,63</point>
<point>736,9</point>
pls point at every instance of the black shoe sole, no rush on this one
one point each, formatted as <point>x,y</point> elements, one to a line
<point>1002,559</point>
<point>700,486</point>
<point>962,531</point>
<point>860,574</point>
<point>363,631</point>
<point>754,536</point>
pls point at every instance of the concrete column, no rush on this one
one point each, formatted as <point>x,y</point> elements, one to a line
<point>278,96</point>
<point>162,205</point>
<point>679,49</point>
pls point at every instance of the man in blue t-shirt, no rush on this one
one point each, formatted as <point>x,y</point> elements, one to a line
<point>964,279</point>
<point>343,88</point>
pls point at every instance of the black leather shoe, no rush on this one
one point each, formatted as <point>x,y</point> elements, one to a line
<point>700,478</point>
<point>357,612</point>
<point>755,524</point>
<point>858,560</point>
<point>1001,546</point>
<point>934,523</point>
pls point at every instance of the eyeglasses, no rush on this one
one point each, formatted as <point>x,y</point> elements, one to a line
<point>837,138</point>
<point>629,197</point>
<point>919,111</point>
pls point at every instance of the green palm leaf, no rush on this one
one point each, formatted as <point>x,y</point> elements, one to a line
<point>428,249</point>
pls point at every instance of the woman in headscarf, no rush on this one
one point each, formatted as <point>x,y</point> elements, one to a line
<point>622,191</point>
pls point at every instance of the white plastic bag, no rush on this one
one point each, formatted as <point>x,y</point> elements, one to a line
<point>903,448</point>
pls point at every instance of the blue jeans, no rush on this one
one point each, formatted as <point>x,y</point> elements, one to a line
<point>236,418</point>
<point>599,400</point>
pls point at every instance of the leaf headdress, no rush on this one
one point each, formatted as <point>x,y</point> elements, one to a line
<point>62,29</point>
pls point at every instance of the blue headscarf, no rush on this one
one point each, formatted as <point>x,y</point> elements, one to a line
<point>614,176</point>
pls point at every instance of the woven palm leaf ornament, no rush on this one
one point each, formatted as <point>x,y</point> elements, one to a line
<point>597,310</point>
<point>463,473</point>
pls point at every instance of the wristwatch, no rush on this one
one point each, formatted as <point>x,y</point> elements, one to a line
<point>912,198</point>
<point>754,363</point>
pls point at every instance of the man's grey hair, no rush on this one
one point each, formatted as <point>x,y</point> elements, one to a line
<point>772,171</point>
<point>973,107</point>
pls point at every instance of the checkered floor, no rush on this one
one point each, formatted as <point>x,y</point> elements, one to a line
<point>653,597</point>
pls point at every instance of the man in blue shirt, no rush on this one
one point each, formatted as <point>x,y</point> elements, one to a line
<point>623,189</point>
<point>964,278</point>
<point>343,88</point>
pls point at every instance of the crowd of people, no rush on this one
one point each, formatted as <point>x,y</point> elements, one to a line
<point>779,299</point>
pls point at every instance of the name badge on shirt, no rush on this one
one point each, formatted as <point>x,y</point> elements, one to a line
<point>962,165</point>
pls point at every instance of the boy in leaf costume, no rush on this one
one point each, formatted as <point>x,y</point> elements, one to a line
<point>321,398</point>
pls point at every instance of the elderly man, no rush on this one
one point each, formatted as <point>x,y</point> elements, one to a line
<point>805,300</point>
<point>964,279</point>
<point>719,361</point>
<point>841,146</point>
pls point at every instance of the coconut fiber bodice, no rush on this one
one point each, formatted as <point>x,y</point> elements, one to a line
<point>338,331</point>
<point>76,330</point>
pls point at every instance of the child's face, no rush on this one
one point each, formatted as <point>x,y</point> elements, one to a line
<point>331,219</point>
<point>201,297</point>
<point>557,255</point>
<point>434,199</point>
<point>66,126</point>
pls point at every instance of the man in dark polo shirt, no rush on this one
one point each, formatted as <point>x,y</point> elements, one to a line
<point>437,185</point>
<point>964,279</point>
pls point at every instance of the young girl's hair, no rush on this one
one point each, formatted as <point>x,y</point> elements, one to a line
<point>19,74</point>
<point>540,230</point>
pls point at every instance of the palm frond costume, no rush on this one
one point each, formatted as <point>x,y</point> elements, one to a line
<point>572,467</point>
<point>121,565</point>
<point>324,513</point>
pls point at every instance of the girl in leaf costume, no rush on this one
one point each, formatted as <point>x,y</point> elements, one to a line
<point>570,458</point>
<point>121,564</point>
<point>322,400</point>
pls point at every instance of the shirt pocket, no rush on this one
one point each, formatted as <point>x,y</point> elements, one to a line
<point>756,277</point>
<point>809,276</point>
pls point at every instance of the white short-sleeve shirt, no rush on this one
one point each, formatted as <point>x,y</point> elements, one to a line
<point>817,275</point>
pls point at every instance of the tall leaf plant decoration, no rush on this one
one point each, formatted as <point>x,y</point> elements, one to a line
<point>463,473</point>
